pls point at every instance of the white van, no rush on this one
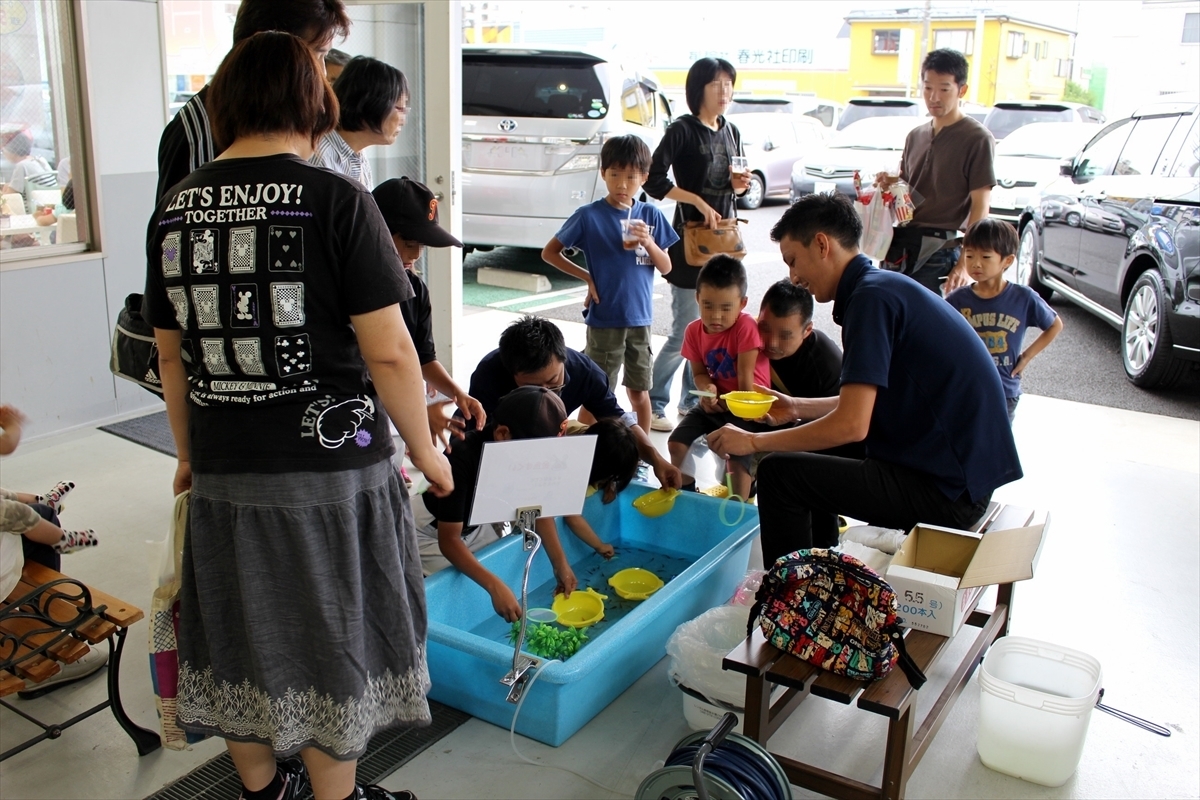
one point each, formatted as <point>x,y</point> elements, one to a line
<point>533,124</point>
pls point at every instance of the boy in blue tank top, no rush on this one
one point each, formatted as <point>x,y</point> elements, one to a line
<point>1000,311</point>
<point>624,241</point>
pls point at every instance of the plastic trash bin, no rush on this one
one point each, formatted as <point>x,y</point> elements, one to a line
<point>1035,703</point>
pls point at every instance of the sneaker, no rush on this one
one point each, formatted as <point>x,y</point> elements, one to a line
<point>643,472</point>
<point>375,792</point>
<point>67,674</point>
<point>659,422</point>
<point>73,541</point>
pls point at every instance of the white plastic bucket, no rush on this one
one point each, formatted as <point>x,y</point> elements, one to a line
<point>1036,699</point>
<point>703,716</point>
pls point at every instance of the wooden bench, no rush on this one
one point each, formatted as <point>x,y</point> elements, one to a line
<point>766,667</point>
<point>49,620</point>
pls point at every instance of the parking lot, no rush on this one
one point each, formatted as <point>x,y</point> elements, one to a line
<point>1083,364</point>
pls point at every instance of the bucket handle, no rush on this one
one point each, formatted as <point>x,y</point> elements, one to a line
<point>1131,719</point>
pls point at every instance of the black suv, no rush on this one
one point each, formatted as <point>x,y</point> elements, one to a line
<point>1118,233</point>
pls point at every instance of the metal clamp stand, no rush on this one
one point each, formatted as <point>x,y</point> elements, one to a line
<point>522,665</point>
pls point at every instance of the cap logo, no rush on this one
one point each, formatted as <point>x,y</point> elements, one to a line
<point>432,209</point>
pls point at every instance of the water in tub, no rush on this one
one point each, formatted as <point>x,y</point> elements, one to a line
<point>594,571</point>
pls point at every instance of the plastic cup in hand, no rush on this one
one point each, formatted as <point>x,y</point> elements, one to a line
<point>631,232</point>
<point>739,165</point>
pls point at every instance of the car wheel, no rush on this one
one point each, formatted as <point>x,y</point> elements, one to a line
<point>1028,263</point>
<point>1146,337</point>
<point>753,198</point>
<point>1073,219</point>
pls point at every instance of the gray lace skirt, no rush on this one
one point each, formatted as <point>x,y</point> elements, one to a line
<point>302,610</point>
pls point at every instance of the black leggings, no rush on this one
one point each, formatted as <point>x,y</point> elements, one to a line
<point>40,553</point>
<point>801,494</point>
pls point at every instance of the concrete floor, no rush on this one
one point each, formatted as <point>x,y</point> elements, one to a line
<point>1118,579</point>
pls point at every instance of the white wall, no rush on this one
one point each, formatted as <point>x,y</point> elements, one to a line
<point>56,319</point>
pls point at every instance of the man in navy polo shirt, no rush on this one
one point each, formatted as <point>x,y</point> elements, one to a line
<point>918,388</point>
<point>532,352</point>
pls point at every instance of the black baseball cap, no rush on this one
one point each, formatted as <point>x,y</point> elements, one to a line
<point>410,211</point>
<point>530,412</point>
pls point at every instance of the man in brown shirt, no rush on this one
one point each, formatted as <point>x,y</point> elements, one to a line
<point>947,163</point>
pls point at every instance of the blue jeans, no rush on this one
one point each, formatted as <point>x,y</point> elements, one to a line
<point>683,310</point>
<point>937,267</point>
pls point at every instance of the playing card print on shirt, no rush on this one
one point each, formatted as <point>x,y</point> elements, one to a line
<point>343,422</point>
<point>178,298</point>
<point>214,357</point>
<point>292,355</point>
<point>204,251</point>
<point>243,305</point>
<point>172,258</point>
<point>248,354</point>
<point>241,249</point>
<point>207,306</point>
<point>287,304</point>
<point>285,249</point>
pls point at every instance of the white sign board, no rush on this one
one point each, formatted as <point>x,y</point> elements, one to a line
<point>551,473</point>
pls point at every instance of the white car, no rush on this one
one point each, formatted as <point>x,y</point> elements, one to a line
<point>1028,158</point>
<point>533,124</point>
<point>772,144</point>
<point>868,146</point>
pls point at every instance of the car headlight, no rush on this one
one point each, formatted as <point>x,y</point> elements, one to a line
<point>798,171</point>
<point>581,163</point>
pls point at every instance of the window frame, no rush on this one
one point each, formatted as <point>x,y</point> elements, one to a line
<point>1016,44</point>
<point>887,32</point>
<point>1163,140</point>
<point>72,45</point>
<point>969,50</point>
<point>1193,30</point>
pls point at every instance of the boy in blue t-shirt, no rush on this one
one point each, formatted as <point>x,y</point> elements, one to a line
<point>624,242</point>
<point>1000,311</point>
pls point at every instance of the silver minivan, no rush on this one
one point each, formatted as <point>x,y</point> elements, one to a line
<point>533,124</point>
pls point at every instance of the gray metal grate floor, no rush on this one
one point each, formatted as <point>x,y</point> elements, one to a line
<point>387,752</point>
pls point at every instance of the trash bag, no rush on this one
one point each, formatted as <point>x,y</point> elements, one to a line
<point>697,648</point>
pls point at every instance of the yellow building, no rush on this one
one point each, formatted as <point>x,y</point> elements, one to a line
<point>1009,58</point>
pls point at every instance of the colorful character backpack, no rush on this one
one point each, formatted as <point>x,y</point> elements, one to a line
<point>835,612</point>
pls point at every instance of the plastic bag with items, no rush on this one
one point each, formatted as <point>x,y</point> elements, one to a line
<point>697,648</point>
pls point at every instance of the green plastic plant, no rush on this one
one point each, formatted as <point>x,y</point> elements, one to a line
<point>549,641</point>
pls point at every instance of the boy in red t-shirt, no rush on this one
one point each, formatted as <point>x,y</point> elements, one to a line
<point>725,352</point>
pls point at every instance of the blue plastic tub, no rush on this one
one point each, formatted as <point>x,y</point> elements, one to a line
<point>468,655</point>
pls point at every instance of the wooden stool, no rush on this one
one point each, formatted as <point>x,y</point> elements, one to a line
<point>892,697</point>
<point>49,620</point>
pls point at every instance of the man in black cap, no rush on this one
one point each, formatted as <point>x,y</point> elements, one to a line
<point>410,211</point>
<point>444,539</point>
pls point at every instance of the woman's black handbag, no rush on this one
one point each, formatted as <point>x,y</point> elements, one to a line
<point>134,351</point>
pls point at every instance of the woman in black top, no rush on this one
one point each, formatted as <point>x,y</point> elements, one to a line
<point>274,292</point>
<point>696,148</point>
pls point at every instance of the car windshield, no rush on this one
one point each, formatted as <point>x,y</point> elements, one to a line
<point>855,112</point>
<point>1003,121</point>
<point>531,86</point>
<point>876,133</point>
<point>1053,140</point>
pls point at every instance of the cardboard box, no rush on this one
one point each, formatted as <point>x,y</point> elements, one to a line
<point>939,574</point>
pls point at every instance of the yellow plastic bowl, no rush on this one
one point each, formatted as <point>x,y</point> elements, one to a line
<point>635,583</point>
<point>656,503</point>
<point>583,608</point>
<point>748,405</point>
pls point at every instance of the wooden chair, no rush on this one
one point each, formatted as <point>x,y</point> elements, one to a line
<point>49,620</point>
<point>766,667</point>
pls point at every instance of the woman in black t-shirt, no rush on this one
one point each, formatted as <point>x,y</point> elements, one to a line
<point>696,149</point>
<point>274,290</point>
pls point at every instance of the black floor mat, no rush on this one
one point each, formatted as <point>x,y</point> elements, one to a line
<point>387,752</point>
<point>151,431</point>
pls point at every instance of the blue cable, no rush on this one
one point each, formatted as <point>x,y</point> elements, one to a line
<point>741,768</point>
